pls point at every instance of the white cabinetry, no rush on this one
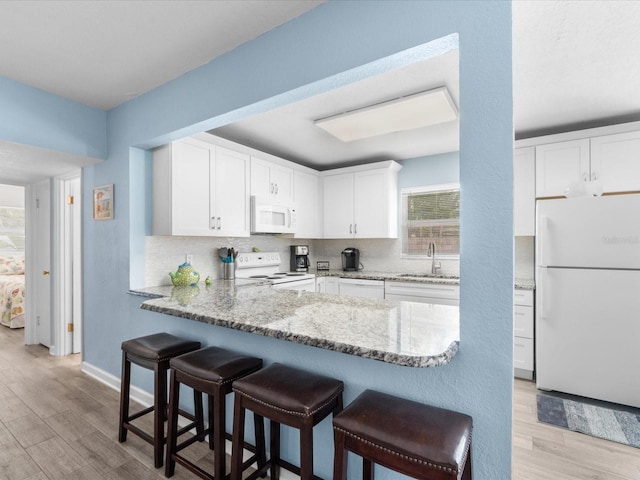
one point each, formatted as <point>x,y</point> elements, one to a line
<point>355,287</point>
<point>271,180</point>
<point>611,161</point>
<point>615,161</point>
<point>560,166</point>
<point>524,191</point>
<point>361,202</point>
<point>327,285</point>
<point>200,189</point>
<point>308,203</point>
<point>523,334</point>
<point>440,294</point>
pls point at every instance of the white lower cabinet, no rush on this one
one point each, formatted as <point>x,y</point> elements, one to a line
<point>439,294</point>
<point>355,287</point>
<point>523,334</point>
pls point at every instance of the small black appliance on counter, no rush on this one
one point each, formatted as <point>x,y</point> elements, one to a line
<point>299,258</point>
<point>351,260</point>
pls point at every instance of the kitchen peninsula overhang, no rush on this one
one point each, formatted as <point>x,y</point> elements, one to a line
<point>402,333</point>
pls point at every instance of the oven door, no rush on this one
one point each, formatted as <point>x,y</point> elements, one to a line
<point>267,217</point>
<point>306,285</point>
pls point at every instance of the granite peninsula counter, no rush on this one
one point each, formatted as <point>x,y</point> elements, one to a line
<point>403,333</point>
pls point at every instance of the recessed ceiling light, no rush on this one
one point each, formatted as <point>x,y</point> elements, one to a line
<point>405,113</point>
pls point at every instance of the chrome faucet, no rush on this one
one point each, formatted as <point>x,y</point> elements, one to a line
<point>431,252</point>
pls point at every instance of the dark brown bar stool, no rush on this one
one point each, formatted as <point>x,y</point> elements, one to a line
<point>417,440</point>
<point>153,352</point>
<point>288,396</point>
<point>211,371</point>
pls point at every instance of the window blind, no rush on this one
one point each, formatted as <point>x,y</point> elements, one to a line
<point>431,215</point>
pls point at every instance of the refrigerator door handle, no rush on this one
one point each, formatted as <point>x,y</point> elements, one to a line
<point>543,235</point>
<point>541,294</point>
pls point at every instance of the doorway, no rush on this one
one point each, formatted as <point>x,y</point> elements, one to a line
<point>54,269</point>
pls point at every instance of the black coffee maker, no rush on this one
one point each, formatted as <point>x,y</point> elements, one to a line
<point>351,260</point>
<point>299,258</point>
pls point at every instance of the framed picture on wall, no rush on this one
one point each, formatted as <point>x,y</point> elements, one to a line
<point>103,202</point>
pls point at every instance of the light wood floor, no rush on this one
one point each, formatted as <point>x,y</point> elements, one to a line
<point>543,452</point>
<point>57,423</point>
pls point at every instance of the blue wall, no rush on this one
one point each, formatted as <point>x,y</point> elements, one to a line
<point>34,117</point>
<point>334,44</point>
<point>431,170</point>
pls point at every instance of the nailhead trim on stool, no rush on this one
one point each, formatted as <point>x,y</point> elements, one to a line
<point>154,353</point>
<point>211,371</point>
<point>289,396</point>
<point>424,442</point>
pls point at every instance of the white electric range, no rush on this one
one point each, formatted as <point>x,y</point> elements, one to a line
<point>266,265</point>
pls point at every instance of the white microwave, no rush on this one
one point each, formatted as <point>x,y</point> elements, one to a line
<point>270,217</point>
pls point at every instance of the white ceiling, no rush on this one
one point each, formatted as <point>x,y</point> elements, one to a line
<point>575,65</point>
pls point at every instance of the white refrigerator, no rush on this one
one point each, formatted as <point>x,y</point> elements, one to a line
<point>588,297</point>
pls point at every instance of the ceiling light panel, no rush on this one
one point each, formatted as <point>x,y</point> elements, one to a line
<point>406,113</point>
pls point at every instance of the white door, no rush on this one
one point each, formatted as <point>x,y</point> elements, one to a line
<point>524,191</point>
<point>587,333</point>
<point>560,166</point>
<point>229,192</point>
<point>190,207</point>
<point>261,184</point>
<point>73,267</point>
<point>307,203</point>
<point>282,178</point>
<point>338,206</point>
<point>371,204</point>
<point>615,161</point>
<point>42,260</point>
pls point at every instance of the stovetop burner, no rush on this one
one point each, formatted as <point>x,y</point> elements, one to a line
<point>265,266</point>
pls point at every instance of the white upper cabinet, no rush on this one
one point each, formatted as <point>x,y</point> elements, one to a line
<point>602,164</point>
<point>338,206</point>
<point>308,203</point>
<point>361,202</point>
<point>524,191</point>
<point>271,180</point>
<point>200,189</point>
<point>230,193</point>
<point>615,161</point>
<point>560,166</point>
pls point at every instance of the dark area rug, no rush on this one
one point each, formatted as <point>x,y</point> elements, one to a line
<point>599,419</point>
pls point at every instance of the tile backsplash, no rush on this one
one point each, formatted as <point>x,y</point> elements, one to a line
<point>165,253</point>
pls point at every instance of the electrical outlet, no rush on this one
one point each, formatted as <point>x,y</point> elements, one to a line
<point>188,258</point>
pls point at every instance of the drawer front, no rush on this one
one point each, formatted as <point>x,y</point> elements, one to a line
<point>523,297</point>
<point>522,321</point>
<point>523,353</point>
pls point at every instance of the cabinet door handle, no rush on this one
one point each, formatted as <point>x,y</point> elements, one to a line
<point>219,223</point>
<point>585,177</point>
<point>350,228</point>
<point>594,176</point>
<point>271,187</point>
<point>212,225</point>
<point>355,228</point>
<point>276,188</point>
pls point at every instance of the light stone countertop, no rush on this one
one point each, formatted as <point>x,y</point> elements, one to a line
<point>396,277</point>
<point>525,284</point>
<point>402,333</point>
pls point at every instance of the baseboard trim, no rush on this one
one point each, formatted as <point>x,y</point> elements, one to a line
<point>139,395</point>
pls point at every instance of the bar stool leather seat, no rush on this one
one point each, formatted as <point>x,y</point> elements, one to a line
<point>152,352</point>
<point>211,371</point>
<point>421,441</point>
<point>288,396</point>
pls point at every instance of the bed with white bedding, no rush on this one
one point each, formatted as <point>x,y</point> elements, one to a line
<point>12,291</point>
